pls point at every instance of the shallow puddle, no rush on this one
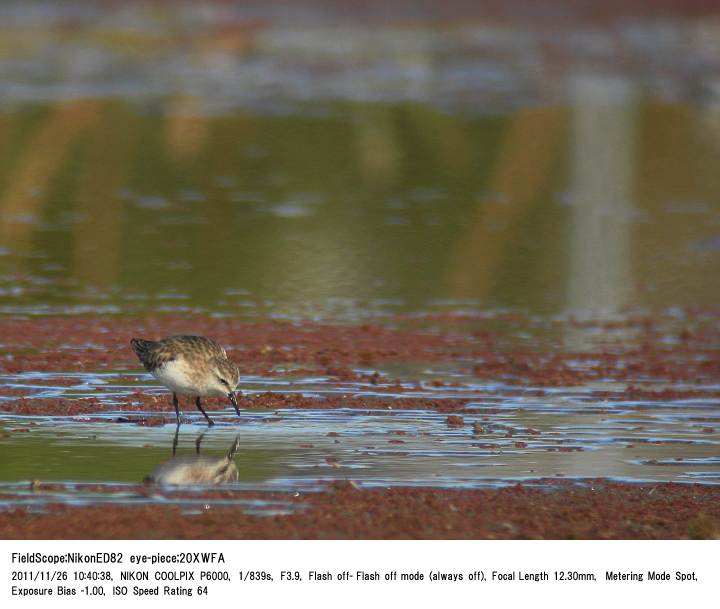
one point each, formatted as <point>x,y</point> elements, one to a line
<point>502,435</point>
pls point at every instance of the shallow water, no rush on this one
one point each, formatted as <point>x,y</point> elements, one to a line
<point>256,161</point>
<point>566,433</point>
<point>262,162</point>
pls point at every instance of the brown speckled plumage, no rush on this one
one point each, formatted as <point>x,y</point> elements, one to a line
<point>189,365</point>
<point>153,354</point>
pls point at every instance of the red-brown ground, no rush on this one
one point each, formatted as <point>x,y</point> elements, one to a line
<point>600,511</point>
<point>265,401</point>
<point>62,343</point>
<point>665,351</point>
<point>659,350</point>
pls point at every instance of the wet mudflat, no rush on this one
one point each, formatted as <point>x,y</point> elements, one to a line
<point>595,510</point>
<point>403,403</point>
<point>465,257</point>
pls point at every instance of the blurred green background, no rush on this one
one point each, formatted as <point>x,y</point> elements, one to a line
<point>341,159</point>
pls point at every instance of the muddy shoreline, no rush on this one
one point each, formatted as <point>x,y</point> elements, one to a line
<point>597,509</point>
<point>649,359</point>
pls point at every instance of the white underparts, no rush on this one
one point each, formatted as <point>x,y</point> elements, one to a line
<point>175,377</point>
<point>178,377</point>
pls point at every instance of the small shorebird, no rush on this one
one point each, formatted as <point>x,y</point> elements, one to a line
<point>189,365</point>
<point>198,469</point>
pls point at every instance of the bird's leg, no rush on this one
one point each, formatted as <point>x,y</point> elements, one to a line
<point>177,408</point>
<point>200,408</point>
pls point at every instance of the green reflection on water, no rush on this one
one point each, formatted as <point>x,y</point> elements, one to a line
<point>117,203</point>
<point>68,457</point>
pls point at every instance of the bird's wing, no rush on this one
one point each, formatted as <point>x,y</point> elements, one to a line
<point>200,345</point>
<point>152,354</point>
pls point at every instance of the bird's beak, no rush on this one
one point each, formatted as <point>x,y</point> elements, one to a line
<point>233,401</point>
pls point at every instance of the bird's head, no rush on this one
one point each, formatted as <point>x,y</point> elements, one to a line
<point>226,376</point>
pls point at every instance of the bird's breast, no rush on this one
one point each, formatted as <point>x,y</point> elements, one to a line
<point>177,376</point>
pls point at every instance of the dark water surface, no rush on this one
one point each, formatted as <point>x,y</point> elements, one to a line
<point>295,161</point>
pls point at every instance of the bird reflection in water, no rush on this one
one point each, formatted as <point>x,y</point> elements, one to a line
<point>198,469</point>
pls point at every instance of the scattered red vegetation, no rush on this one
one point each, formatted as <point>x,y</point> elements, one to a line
<point>53,407</point>
<point>75,343</point>
<point>658,363</point>
<point>638,393</point>
<point>262,401</point>
<point>602,510</point>
<point>657,350</point>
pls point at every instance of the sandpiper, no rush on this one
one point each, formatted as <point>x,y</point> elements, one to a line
<point>190,365</point>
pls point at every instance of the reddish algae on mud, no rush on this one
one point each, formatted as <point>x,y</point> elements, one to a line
<point>598,510</point>
<point>658,351</point>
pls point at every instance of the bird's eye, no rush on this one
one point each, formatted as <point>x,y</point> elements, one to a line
<point>223,381</point>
